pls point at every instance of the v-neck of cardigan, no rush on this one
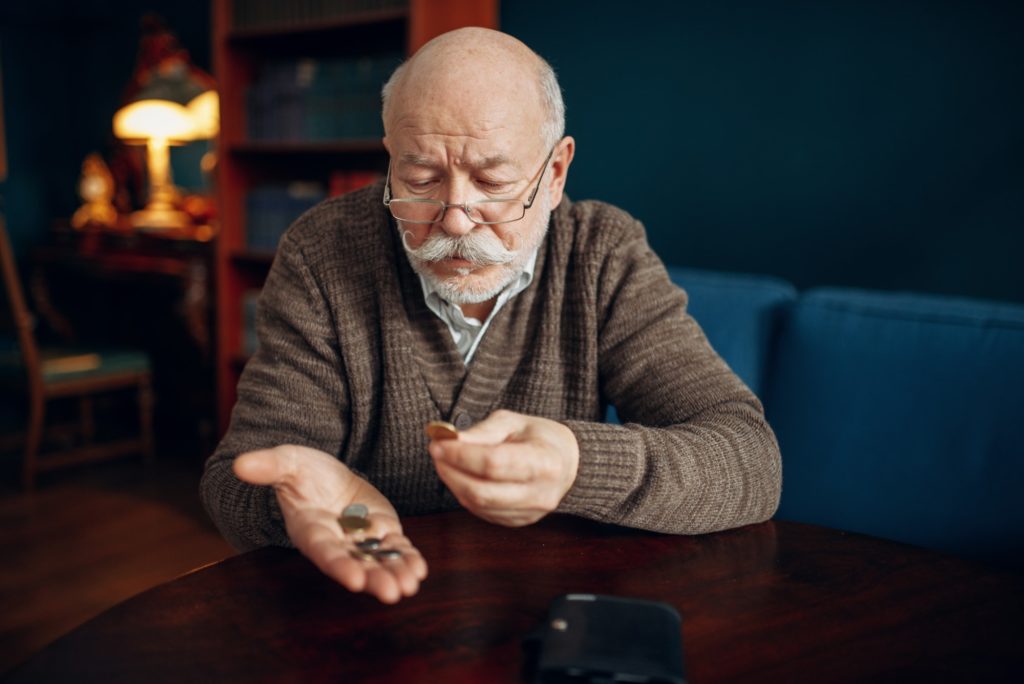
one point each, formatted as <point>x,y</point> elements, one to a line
<point>466,394</point>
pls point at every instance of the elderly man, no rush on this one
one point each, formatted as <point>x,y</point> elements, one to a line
<point>467,288</point>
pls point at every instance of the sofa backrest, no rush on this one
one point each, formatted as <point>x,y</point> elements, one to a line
<point>901,416</point>
<point>739,314</point>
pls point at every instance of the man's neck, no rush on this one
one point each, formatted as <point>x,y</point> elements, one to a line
<point>479,311</point>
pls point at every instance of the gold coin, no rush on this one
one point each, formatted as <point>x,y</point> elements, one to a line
<point>351,523</point>
<point>439,429</point>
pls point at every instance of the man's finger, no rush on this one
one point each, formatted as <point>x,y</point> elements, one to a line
<point>411,558</point>
<point>496,428</point>
<point>476,494</point>
<point>500,463</point>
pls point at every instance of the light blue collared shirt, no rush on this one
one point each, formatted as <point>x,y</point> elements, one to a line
<point>467,332</point>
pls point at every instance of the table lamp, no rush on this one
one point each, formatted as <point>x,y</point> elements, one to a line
<point>172,109</point>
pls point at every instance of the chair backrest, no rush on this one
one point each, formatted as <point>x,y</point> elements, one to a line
<point>900,416</point>
<point>16,314</point>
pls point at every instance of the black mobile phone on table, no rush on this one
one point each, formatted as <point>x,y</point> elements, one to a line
<point>595,639</point>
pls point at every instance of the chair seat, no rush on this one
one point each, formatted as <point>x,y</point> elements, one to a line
<point>60,365</point>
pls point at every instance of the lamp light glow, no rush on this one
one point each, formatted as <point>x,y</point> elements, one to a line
<point>205,111</point>
<point>159,124</point>
<point>145,119</point>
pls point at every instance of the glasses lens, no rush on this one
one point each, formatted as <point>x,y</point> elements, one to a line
<point>416,211</point>
<point>496,211</point>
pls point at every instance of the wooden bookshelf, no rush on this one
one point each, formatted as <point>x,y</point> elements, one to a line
<point>246,163</point>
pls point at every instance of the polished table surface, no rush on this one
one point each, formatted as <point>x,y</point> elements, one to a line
<point>771,602</point>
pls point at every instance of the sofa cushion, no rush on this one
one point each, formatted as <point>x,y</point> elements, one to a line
<point>900,416</point>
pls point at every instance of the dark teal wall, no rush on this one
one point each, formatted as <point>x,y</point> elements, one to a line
<point>65,65</point>
<point>877,144</point>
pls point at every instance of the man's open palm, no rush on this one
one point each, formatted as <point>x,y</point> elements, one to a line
<point>313,488</point>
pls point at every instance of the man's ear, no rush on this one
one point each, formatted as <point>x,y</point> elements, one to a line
<point>560,161</point>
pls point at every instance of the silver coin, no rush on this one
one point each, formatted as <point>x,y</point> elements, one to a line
<point>356,510</point>
<point>370,544</point>
<point>387,554</point>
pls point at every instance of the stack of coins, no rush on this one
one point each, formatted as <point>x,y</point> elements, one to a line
<point>354,522</point>
<point>353,518</point>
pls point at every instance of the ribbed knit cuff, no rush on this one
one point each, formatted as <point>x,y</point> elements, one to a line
<point>610,470</point>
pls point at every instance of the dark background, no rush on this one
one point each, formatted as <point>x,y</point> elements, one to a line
<point>865,143</point>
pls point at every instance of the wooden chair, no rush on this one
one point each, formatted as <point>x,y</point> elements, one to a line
<point>48,374</point>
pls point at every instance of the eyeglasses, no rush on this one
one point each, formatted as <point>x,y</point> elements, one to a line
<point>485,212</point>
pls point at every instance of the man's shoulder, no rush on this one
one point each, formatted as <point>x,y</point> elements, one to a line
<point>593,225</point>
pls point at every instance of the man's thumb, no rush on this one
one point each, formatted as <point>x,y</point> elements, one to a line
<point>263,467</point>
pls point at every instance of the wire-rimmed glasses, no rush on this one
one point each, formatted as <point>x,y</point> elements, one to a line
<point>484,211</point>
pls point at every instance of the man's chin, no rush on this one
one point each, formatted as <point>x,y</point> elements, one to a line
<point>476,284</point>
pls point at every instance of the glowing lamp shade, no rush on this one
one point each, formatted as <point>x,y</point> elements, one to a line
<point>159,123</point>
<point>205,111</point>
<point>147,119</point>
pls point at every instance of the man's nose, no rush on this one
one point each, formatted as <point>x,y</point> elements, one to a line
<point>456,219</point>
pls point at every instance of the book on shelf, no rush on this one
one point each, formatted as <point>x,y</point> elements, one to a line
<point>309,99</point>
<point>271,209</point>
<point>343,182</point>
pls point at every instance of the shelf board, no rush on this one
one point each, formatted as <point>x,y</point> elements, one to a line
<point>253,257</point>
<point>356,20</point>
<point>314,147</point>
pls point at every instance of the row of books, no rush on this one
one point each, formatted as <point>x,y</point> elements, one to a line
<point>308,99</point>
<point>270,209</point>
<point>264,13</point>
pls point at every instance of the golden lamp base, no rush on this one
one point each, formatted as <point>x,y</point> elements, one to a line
<point>160,219</point>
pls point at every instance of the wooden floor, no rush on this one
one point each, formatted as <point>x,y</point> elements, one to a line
<point>91,537</point>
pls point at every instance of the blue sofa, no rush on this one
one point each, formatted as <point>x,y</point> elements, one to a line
<point>898,415</point>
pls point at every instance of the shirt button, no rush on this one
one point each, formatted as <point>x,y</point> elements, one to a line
<point>463,420</point>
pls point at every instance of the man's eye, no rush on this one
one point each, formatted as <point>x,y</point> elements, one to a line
<point>492,186</point>
<point>420,185</point>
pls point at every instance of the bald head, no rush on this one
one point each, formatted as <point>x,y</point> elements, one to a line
<point>469,65</point>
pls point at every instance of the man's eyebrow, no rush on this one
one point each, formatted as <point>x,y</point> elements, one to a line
<point>490,162</point>
<point>418,160</point>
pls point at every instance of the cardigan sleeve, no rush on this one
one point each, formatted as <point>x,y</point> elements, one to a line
<point>694,453</point>
<point>292,391</point>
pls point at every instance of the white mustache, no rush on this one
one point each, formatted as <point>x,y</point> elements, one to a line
<point>480,248</point>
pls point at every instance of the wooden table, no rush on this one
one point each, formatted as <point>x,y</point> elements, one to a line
<point>772,602</point>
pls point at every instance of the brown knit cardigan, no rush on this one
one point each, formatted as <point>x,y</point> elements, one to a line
<point>352,362</point>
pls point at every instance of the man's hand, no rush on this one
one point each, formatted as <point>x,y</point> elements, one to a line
<point>509,469</point>
<point>313,487</point>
